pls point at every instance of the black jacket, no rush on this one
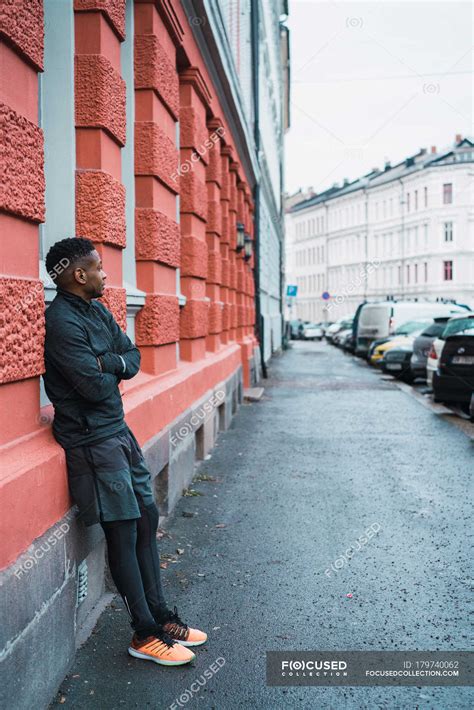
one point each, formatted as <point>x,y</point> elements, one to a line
<point>87,401</point>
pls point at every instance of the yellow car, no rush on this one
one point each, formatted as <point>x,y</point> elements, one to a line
<point>379,352</point>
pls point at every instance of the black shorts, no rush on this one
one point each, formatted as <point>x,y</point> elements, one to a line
<point>107,479</point>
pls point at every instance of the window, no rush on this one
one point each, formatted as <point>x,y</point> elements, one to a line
<point>416,199</point>
<point>447,193</point>
<point>425,191</point>
<point>448,231</point>
<point>408,201</point>
<point>399,274</point>
<point>416,273</point>
<point>425,236</point>
<point>408,273</point>
<point>448,270</point>
<point>426,270</point>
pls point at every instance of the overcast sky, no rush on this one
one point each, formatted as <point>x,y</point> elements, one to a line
<point>373,81</point>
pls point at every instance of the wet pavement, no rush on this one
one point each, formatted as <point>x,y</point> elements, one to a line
<point>330,450</point>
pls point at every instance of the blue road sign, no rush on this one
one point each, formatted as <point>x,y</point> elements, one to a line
<point>325,295</point>
<point>291,290</point>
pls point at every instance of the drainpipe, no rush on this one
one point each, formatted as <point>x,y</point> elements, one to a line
<point>259,323</point>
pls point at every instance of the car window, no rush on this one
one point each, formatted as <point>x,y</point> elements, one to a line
<point>411,326</point>
<point>434,330</point>
<point>460,325</point>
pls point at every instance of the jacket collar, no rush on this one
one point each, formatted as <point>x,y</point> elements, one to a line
<point>74,299</point>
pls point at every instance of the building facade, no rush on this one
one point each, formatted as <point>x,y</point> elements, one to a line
<point>403,232</point>
<point>259,42</point>
<point>131,123</point>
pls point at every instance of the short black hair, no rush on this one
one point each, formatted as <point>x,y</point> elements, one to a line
<point>66,253</point>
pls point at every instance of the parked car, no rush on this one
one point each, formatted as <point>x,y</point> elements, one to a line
<point>396,362</point>
<point>455,324</point>
<point>379,320</point>
<point>312,331</point>
<point>347,341</point>
<point>340,336</point>
<point>422,346</point>
<point>295,329</point>
<point>453,381</point>
<point>403,335</point>
<point>341,324</point>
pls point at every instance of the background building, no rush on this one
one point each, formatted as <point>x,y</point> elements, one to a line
<point>405,231</point>
<point>134,124</point>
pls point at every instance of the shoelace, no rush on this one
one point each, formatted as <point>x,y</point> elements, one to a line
<point>176,625</point>
<point>161,636</point>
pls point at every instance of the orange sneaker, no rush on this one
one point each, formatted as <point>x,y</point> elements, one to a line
<point>181,632</point>
<point>160,649</point>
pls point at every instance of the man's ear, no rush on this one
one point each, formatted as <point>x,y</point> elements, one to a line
<point>80,275</point>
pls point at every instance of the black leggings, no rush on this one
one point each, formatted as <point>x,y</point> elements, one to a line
<point>135,567</point>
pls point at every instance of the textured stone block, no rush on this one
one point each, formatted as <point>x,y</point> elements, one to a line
<point>193,196</point>
<point>114,10</point>
<point>21,166</point>
<point>194,318</point>
<point>156,154</point>
<point>157,237</point>
<point>214,168</point>
<point>115,299</point>
<point>241,315</point>
<point>214,267</point>
<point>225,272</point>
<point>157,322</point>
<point>193,257</point>
<point>193,132</point>
<point>215,317</point>
<point>214,216</point>
<point>99,96</point>
<point>22,22</point>
<point>22,328</point>
<point>100,207</point>
<point>155,70</point>
<point>226,316</point>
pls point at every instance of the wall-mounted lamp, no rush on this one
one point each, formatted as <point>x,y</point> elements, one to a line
<point>240,236</point>
<point>248,247</point>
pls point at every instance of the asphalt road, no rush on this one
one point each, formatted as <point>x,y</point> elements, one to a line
<point>331,449</point>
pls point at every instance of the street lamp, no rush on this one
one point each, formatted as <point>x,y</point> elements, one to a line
<point>240,236</point>
<point>248,247</point>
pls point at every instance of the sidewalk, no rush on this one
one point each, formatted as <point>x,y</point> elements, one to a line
<point>329,450</point>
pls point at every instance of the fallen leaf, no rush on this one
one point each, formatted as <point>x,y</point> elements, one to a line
<point>201,574</point>
<point>220,525</point>
<point>163,565</point>
<point>180,550</point>
<point>187,514</point>
<point>62,699</point>
<point>349,596</point>
<point>191,492</point>
<point>204,477</point>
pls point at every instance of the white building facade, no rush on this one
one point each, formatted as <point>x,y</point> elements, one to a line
<point>405,232</point>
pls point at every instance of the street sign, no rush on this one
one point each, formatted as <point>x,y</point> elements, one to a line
<point>291,290</point>
<point>325,295</point>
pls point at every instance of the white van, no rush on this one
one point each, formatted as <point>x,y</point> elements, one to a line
<point>379,320</point>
